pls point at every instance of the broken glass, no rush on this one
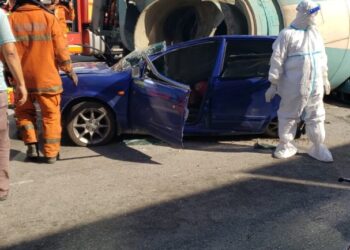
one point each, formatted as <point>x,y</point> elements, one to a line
<point>135,57</point>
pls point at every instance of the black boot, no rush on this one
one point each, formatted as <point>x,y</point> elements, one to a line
<point>33,151</point>
<point>52,160</point>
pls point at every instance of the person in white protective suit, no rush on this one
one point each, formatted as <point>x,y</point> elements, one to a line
<point>299,74</point>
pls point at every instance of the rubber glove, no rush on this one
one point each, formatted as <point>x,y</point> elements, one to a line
<point>270,92</point>
<point>73,76</point>
<point>327,87</point>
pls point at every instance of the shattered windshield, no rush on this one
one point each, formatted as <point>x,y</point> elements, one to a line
<point>135,57</point>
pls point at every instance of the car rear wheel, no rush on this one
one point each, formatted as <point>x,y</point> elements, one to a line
<point>272,129</point>
<point>90,124</point>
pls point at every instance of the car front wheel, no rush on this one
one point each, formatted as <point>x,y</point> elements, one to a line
<point>90,124</point>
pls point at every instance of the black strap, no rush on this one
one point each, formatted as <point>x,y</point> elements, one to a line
<point>34,2</point>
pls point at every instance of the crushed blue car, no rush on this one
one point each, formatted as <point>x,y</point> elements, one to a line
<point>209,86</point>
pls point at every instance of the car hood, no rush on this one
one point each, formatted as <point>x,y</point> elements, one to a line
<point>91,68</point>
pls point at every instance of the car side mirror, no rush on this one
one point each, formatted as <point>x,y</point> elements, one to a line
<point>135,72</point>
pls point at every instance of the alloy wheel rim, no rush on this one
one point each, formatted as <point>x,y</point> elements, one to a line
<point>91,126</point>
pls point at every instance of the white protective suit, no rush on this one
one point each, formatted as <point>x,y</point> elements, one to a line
<point>299,74</point>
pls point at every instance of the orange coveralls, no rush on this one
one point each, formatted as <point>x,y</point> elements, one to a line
<point>63,13</point>
<point>42,50</point>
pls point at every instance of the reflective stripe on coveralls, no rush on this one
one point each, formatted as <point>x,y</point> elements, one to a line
<point>27,38</point>
<point>28,127</point>
<point>54,89</point>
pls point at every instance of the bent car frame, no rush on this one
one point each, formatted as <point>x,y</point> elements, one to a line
<point>209,86</point>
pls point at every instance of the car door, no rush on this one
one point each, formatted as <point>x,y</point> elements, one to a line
<point>238,99</point>
<point>158,106</point>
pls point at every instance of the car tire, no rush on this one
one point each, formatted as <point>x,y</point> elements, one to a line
<point>90,124</point>
<point>272,129</point>
<point>300,130</point>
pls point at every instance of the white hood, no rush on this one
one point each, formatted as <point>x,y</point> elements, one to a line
<point>304,19</point>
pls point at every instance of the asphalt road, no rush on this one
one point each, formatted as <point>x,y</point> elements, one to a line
<point>216,193</point>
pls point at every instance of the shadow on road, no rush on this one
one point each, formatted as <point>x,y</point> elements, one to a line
<point>123,149</point>
<point>118,151</point>
<point>234,144</point>
<point>295,204</point>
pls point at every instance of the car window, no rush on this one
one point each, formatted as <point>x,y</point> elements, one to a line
<point>246,59</point>
<point>246,66</point>
<point>189,65</point>
<point>135,57</point>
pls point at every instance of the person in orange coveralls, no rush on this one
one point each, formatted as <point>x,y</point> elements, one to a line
<point>64,11</point>
<point>42,50</point>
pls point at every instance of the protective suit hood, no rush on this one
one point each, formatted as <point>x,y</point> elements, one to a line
<point>307,11</point>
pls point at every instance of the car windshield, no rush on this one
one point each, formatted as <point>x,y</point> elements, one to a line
<point>135,57</point>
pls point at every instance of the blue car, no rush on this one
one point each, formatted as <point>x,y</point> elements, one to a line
<point>209,86</point>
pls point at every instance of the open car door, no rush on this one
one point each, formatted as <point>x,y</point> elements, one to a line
<point>158,105</point>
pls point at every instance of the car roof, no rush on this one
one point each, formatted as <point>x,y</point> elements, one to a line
<point>217,38</point>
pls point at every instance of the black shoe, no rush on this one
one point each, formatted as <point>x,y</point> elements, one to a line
<point>32,151</point>
<point>52,160</point>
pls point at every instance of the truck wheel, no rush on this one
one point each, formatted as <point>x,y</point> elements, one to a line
<point>90,124</point>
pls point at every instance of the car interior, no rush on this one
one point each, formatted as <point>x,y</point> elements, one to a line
<point>192,66</point>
